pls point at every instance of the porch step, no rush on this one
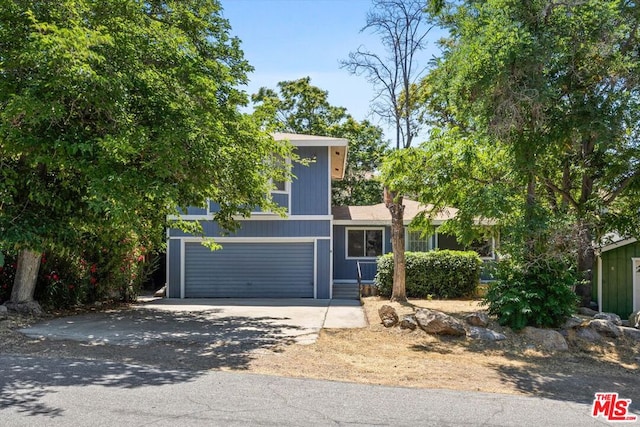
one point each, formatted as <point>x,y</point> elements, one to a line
<point>346,291</point>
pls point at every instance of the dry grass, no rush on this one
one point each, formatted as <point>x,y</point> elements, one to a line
<point>397,357</point>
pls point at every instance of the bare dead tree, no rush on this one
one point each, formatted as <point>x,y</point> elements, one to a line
<point>403,28</point>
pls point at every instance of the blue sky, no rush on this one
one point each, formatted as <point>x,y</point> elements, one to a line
<point>290,39</point>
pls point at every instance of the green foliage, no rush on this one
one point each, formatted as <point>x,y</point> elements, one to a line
<point>535,110</point>
<point>114,113</point>
<point>539,294</point>
<point>437,274</point>
<point>91,272</point>
<point>300,107</point>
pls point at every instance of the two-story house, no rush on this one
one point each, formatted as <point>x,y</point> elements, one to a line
<point>270,255</point>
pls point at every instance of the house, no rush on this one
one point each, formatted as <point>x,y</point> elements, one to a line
<point>270,255</point>
<point>617,277</point>
<point>362,233</point>
<point>313,252</point>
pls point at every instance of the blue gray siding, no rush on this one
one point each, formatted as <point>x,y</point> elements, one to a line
<point>262,265</point>
<point>267,228</point>
<point>310,192</point>
<point>346,269</point>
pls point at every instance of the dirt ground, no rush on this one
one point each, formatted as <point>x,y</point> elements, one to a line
<point>395,357</point>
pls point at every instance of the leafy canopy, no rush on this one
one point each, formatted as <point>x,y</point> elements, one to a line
<point>115,112</point>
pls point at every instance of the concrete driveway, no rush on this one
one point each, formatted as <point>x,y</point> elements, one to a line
<point>262,322</point>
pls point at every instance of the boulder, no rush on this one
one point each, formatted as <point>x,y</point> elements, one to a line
<point>484,334</point>
<point>614,318</point>
<point>605,328</point>
<point>478,318</point>
<point>438,323</point>
<point>388,316</point>
<point>586,311</point>
<point>634,319</point>
<point>631,333</point>
<point>31,307</point>
<point>548,339</point>
<point>588,334</point>
<point>572,322</point>
<point>3,312</point>
<point>409,322</point>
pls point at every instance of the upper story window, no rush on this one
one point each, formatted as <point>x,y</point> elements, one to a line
<point>365,242</point>
<point>281,187</point>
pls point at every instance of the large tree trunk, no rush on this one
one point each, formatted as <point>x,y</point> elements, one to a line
<point>586,261</point>
<point>24,284</point>
<point>393,201</point>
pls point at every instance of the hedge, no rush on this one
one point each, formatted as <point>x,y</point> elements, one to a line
<point>437,274</point>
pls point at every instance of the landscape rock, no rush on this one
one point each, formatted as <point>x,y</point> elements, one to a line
<point>3,312</point>
<point>631,333</point>
<point>477,319</point>
<point>605,328</point>
<point>388,316</point>
<point>484,334</point>
<point>588,334</point>
<point>634,319</point>
<point>438,323</point>
<point>409,322</point>
<point>32,307</point>
<point>548,339</point>
<point>609,316</point>
<point>586,311</point>
<point>572,322</point>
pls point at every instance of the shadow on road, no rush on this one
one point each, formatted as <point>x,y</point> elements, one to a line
<point>24,381</point>
<point>172,347</point>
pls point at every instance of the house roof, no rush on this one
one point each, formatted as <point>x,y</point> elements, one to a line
<point>379,214</point>
<point>338,148</point>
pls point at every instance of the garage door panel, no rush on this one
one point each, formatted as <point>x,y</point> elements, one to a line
<point>249,270</point>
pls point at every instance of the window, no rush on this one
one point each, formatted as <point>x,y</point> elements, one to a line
<point>447,241</point>
<point>281,186</point>
<point>417,242</point>
<point>365,243</point>
<point>484,247</point>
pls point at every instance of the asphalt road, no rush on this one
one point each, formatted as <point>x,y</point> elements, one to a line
<point>73,392</point>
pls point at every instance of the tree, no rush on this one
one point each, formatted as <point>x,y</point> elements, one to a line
<point>555,86</point>
<point>115,113</point>
<point>300,107</point>
<point>401,25</point>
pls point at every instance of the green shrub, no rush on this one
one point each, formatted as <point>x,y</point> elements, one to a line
<point>437,274</point>
<point>539,294</point>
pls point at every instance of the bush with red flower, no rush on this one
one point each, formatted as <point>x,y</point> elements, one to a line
<point>94,271</point>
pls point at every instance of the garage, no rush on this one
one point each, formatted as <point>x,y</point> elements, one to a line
<point>249,270</point>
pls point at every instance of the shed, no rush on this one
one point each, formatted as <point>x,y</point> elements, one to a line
<point>618,277</point>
